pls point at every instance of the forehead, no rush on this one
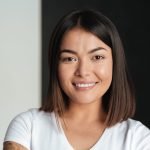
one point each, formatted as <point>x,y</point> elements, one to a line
<point>78,38</point>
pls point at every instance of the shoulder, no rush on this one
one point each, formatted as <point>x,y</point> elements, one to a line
<point>21,127</point>
<point>133,126</point>
<point>134,132</point>
<point>31,115</point>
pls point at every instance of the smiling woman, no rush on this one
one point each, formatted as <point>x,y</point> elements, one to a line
<point>90,99</point>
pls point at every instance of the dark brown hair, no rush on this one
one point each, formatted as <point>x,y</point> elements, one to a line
<point>119,101</point>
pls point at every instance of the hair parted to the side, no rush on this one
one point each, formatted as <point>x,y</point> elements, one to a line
<point>119,101</point>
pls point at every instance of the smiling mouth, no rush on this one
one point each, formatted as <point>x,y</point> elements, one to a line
<point>85,85</point>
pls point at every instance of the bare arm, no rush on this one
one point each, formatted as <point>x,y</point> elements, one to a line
<point>13,146</point>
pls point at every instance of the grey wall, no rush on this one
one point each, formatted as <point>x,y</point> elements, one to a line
<point>20,59</point>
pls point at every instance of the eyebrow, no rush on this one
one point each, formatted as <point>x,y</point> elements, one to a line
<point>74,52</point>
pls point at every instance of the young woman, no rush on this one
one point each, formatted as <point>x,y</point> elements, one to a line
<point>90,98</point>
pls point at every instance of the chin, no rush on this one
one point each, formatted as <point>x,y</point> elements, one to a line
<point>84,101</point>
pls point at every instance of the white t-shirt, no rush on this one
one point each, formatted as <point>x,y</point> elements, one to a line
<point>38,130</point>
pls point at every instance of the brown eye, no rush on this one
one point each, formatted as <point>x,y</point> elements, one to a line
<point>69,59</point>
<point>97,57</point>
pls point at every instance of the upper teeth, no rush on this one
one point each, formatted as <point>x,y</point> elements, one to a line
<point>85,85</point>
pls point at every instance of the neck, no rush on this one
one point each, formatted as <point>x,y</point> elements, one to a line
<point>85,112</point>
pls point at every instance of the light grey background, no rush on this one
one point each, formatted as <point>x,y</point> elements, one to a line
<point>20,59</point>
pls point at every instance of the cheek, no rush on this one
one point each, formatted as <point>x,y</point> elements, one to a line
<point>61,74</point>
<point>104,72</point>
<point>64,73</point>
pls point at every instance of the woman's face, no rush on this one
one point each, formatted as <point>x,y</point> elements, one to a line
<point>85,66</point>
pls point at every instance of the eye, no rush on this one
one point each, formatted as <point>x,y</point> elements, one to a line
<point>97,57</point>
<point>68,59</point>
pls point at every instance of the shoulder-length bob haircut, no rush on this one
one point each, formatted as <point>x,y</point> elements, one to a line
<point>119,101</point>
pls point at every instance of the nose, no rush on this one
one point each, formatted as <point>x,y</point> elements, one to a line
<point>83,68</point>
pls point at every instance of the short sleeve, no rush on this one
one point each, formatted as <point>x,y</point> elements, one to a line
<point>141,137</point>
<point>19,130</point>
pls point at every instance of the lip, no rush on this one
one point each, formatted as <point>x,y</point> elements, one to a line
<point>84,85</point>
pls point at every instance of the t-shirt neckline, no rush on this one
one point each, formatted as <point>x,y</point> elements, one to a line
<point>64,137</point>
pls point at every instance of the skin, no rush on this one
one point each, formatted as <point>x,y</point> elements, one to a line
<point>84,59</point>
<point>13,146</point>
